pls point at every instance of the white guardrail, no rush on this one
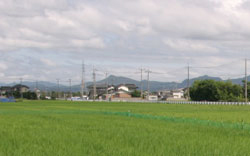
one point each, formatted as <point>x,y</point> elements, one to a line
<point>208,103</point>
<point>179,102</point>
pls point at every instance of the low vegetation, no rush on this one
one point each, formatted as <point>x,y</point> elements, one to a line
<point>89,128</point>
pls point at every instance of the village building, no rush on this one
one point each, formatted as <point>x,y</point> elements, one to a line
<point>20,88</point>
<point>8,90</point>
<point>177,94</point>
<point>111,91</point>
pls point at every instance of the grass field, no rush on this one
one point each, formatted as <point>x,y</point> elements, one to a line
<point>87,128</point>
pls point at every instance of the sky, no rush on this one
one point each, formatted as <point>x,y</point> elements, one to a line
<point>49,39</point>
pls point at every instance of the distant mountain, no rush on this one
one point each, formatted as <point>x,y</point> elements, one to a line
<point>239,80</point>
<point>115,80</point>
<point>155,85</point>
<point>191,81</point>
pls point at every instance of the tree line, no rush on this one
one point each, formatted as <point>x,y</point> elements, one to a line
<point>211,90</point>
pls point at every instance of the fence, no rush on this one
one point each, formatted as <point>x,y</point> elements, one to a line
<point>189,102</point>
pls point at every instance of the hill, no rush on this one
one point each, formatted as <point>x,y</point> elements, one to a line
<point>115,80</point>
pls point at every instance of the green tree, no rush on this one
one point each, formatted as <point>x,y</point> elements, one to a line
<point>210,90</point>
<point>136,93</point>
<point>30,95</point>
<point>53,95</point>
<point>204,90</point>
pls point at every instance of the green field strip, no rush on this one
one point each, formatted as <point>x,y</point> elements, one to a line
<point>194,121</point>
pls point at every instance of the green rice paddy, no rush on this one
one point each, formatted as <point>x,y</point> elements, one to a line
<point>66,128</point>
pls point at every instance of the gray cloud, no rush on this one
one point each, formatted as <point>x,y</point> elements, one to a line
<point>46,39</point>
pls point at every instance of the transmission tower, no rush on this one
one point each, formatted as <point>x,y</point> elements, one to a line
<point>94,83</point>
<point>148,85</point>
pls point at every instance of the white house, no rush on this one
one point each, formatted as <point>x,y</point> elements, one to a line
<point>123,88</point>
<point>178,94</point>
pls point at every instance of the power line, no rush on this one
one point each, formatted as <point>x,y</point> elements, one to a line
<point>221,65</point>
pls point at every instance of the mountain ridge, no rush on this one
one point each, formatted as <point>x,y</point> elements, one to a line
<point>115,80</point>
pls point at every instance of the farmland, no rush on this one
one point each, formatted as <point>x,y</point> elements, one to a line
<point>88,128</point>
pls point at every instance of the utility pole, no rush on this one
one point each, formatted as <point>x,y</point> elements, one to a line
<point>70,89</point>
<point>106,82</point>
<point>148,85</point>
<point>58,88</point>
<point>36,90</point>
<point>83,85</point>
<point>246,80</point>
<point>21,81</point>
<point>188,81</point>
<point>141,84</point>
<point>94,83</point>
<point>36,84</point>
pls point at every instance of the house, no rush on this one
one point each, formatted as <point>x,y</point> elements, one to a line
<point>121,94</point>
<point>124,90</point>
<point>20,88</point>
<point>100,90</point>
<point>164,94</point>
<point>178,94</point>
<point>127,87</point>
<point>111,91</point>
<point>8,91</point>
<point>5,89</point>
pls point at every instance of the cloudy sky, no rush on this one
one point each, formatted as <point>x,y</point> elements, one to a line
<point>48,39</point>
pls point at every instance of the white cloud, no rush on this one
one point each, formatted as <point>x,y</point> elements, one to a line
<point>91,43</point>
<point>152,33</point>
<point>3,66</point>
<point>189,46</point>
<point>48,62</point>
